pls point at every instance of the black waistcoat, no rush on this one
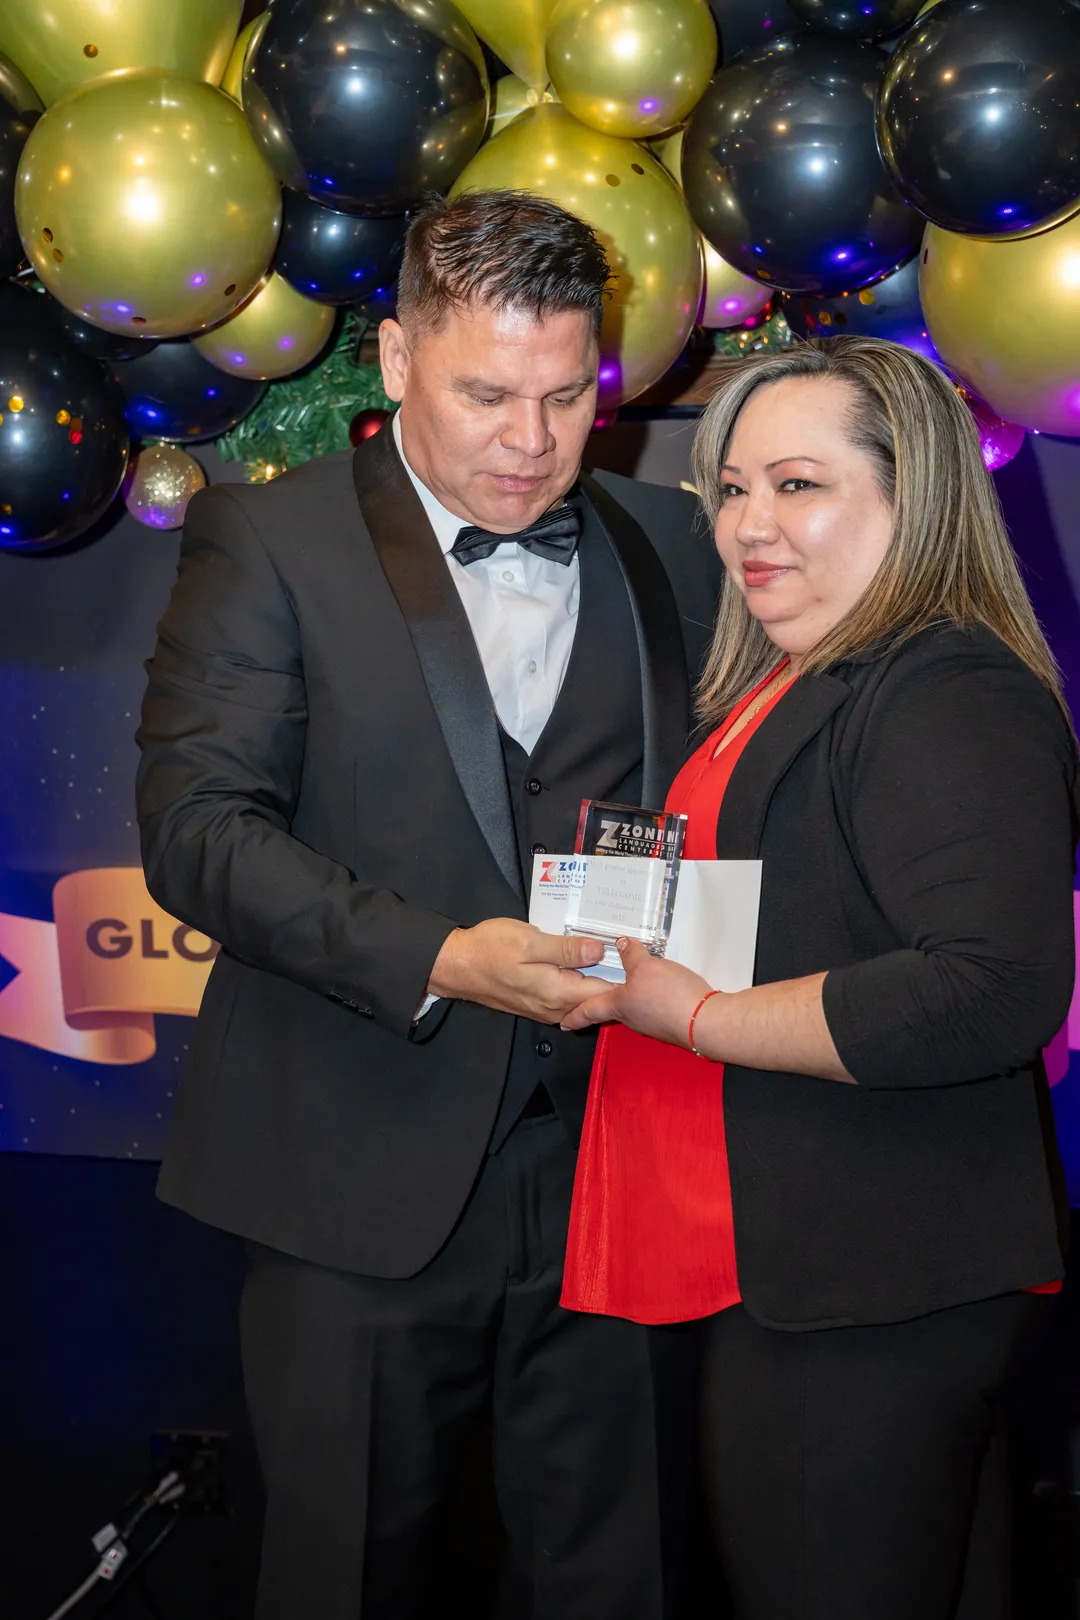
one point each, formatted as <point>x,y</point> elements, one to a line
<point>591,748</point>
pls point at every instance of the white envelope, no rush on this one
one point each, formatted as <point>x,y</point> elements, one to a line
<point>713,926</point>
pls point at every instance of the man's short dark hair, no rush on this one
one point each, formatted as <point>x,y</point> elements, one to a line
<point>500,250</point>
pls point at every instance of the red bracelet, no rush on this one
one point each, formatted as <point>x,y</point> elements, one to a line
<point>693,1021</point>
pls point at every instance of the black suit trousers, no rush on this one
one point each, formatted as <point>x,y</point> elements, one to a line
<point>859,1473</point>
<point>363,1391</point>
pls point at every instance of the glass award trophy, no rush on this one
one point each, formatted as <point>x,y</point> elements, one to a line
<point>626,886</point>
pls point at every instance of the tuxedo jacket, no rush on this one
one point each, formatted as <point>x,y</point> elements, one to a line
<point>325,791</point>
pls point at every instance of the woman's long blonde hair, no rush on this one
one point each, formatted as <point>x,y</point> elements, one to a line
<point>949,560</point>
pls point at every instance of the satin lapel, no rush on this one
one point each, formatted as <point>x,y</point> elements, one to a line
<point>797,718</point>
<point>665,685</point>
<point>417,574</point>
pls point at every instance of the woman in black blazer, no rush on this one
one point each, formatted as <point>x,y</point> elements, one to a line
<point>897,752</point>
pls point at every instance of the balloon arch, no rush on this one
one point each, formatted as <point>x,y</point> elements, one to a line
<point>187,206</point>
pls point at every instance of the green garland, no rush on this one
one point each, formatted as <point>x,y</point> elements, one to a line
<point>306,416</point>
<point>775,333</point>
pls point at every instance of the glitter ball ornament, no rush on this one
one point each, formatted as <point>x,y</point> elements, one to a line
<point>162,481</point>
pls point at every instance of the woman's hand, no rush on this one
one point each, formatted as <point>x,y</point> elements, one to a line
<point>657,998</point>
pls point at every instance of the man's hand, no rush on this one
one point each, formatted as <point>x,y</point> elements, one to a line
<point>514,968</point>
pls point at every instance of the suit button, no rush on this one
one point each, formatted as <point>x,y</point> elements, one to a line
<point>539,849</point>
<point>544,1048</point>
<point>534,785</point>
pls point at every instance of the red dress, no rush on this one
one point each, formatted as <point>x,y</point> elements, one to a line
<point>651,1233</point>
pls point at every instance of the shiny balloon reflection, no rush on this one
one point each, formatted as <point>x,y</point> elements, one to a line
<point>337,258</point>
<point>631,67</point>
<point>782,174</point>
<point>63,439</point>
<point>276,332</point>
<point>516,31</point>
<point>144,206</point>
<point>978,115</point>
<point>366,107</point>
<point>61,44</point>
<point>1005,317</point>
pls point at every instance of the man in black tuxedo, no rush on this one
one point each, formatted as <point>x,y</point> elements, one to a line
<point>383,683</point>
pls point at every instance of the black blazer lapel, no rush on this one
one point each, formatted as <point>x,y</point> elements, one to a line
<point>665,685</point>
<point>416,571</point>
<point>798,716</point>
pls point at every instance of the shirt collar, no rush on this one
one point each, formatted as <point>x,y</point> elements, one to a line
<point>445,525</point>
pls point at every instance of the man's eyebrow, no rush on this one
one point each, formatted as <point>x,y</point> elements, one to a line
<point>481,385</point>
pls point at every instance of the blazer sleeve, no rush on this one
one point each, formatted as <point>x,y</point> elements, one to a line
<point>222,739</point>
<point>962,821</point>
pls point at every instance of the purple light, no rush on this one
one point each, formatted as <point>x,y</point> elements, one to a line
<point>285,343</point>
<point>842,255</point>
<point>5,530</point>
<point>650,106</point>
<point>123,309</point>
<point>211,393</point>
<point>609,373</point>
<point>731,305</point>
<point>198,279</point>
<point>239,359</point>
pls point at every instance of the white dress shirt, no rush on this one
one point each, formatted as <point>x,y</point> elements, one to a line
<point>522,610</point>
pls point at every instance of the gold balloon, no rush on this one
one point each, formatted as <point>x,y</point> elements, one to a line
<point>159,485</point>
<point>246,41</point>
<point>510,96</point>
<point>276,332</point>
<point>515,30</point>
<point>729,298</point>
<point>62,43</point>
<point>631,67</point>
<point>640,216</point>
<point>1005,316</point>
<point>144,205</point>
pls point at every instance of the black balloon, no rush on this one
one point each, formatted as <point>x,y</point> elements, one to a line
<point>337,258</point>
<point>365,105</point>
<point>977,115</point>
<point>782,173</point>
<point>381,306</point>
<point>747,25</point>
<point>15,126</point>
<point>173,393</point>
<point>856,19</point>
<point>888,309</point>
<point>63,439</point>
<point>104,346</point>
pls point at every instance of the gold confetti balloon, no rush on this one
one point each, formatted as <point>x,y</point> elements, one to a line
<point>144,205</point>
<point>1005,317</point>
<point>639,214</point>
<point>60,44</point>
<point>631,67</point>
<point>276,332</point>
<point>516,31</point>
<point>161,482</point>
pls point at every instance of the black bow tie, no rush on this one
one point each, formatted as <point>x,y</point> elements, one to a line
<point>554,536</point>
